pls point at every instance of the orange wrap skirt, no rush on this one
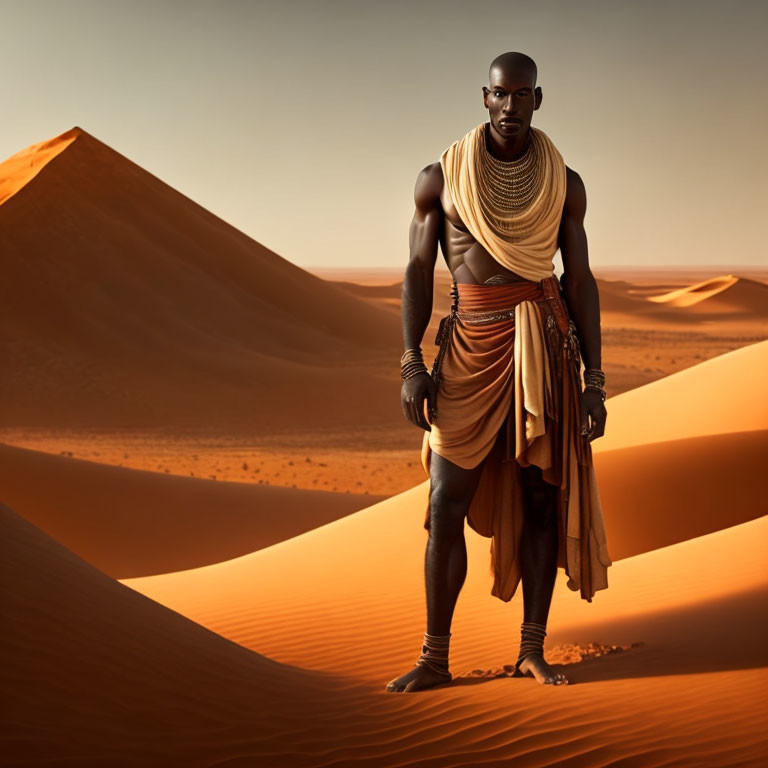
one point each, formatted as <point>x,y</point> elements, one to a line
<point>508,371</point>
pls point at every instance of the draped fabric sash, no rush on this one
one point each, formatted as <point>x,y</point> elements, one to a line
<point>509,397</point>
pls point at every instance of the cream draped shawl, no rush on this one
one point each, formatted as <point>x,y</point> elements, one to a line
<point>531,257</point>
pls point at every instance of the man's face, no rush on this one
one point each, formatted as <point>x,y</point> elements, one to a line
<point>510,101</point>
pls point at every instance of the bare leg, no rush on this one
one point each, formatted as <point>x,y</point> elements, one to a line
<point>538,562</point>
<point>445,562</point>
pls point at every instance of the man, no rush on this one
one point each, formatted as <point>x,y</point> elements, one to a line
<point>507,443</point>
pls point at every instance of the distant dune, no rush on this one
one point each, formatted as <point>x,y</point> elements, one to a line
<point>130,522</point>
<point>727,294</point>
<point>132,304</point>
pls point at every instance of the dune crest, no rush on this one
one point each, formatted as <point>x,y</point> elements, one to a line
<point>19,169</point>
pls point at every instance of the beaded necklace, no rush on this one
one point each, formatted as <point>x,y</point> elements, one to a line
<point>506,188</point>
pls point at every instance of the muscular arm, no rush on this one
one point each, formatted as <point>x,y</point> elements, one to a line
<point>579,285</point>
<point>418,283</point>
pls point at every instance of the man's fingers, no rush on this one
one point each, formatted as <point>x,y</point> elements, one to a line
<point>598,431</point>
<point>413,404</point>
<point>431,403</point>
<point>416,413</point>
<point>597,428</point>
<point>423,423</point>
<point>584,417</point>
<point>410,413</point>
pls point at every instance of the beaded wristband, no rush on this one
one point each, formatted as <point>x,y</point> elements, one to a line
<point>600,389</point>
<point>412,364</point>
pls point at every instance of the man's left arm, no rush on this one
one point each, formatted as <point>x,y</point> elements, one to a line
<point>581,296</point>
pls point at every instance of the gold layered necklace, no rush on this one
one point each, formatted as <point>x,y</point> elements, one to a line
<point>506,188</point>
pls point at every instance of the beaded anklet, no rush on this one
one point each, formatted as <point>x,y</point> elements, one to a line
<point>531,641</point>
<point>434,654</point>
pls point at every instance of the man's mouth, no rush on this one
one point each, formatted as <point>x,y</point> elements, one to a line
<point>510,121</point>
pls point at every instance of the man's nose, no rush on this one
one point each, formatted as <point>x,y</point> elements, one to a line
<point>509,105</point>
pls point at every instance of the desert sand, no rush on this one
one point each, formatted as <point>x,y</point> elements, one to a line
<point>212,542</point>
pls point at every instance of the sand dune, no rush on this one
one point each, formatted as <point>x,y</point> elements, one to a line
<point>725,298</point>
<point>96,673</point>
<point>659,494</point>
<point>724,394</point>
<point>726,294</point>
<point>132,304</point>
<point>130,522</point>
<point>657,634</point>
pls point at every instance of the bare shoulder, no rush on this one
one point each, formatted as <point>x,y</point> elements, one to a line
<point>429,186</point>
<point>575,194</point>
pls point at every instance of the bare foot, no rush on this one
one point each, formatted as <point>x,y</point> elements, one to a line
<point>418,678</point>
<point>534,665</point>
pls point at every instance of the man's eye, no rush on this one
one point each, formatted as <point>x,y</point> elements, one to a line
<point>498,94</point>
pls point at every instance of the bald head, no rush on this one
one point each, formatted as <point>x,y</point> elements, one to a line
<point>511,97</point>
<point>513,65</point>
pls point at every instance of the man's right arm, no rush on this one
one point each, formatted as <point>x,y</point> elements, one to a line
<point>418,283</point>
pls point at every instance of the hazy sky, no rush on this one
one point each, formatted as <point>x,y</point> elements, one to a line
<point>305,124</point>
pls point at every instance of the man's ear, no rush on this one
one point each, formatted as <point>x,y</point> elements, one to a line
<point>486,92</point>
<point>538,96</point>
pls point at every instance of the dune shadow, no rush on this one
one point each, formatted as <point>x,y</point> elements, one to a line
<point>721,635</point>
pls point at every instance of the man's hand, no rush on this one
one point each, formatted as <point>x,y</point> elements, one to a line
<point>593,414</point>
<point>414,391</point>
